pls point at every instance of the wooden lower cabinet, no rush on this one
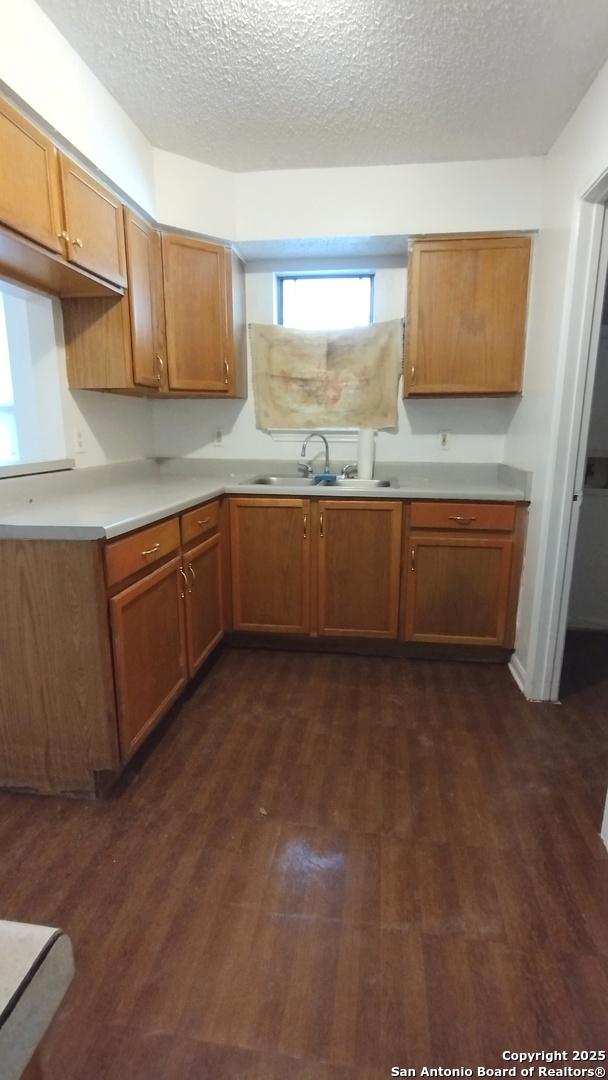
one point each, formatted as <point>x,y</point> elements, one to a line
<point>149,642</point>
<point>270,548</point>
<point>204,604</point>
<point>458,588</point>
<point>359,568</point>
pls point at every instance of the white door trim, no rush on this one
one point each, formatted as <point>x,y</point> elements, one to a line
<point>585,282</point>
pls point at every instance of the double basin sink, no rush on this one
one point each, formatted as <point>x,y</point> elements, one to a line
<point>315,481</point>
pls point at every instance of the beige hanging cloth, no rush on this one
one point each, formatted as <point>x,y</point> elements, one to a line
<point>335,378</point>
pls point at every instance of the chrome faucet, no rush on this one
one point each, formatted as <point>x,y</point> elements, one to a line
<point>317,435</point>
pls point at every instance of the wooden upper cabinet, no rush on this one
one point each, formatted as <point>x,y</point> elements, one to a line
<point>270,548</point>
<point>466,322</point>
<point>196,311</point>
<point>141,241</point>
<point>359,568</point>
<point>93,223</point>
<point>457,589</point>
<point>30,194</point>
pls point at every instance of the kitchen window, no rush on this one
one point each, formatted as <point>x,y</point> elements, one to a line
<point>325,301</point>
<point>32,435</point>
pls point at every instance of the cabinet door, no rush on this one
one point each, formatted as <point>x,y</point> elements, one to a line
<point>467,315</point>
<point>141,256</point>
<point>195,278</point>
<point>204,615</point>
<point>30,196</point>
<point>148,636</point>
<point>359,568</point>
<point>457,589</point>
<point>270,543</point>
<point>94,224</point>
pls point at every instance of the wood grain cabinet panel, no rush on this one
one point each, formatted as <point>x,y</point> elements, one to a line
<point>30,192</point>
<point>458,589</point>
<point>467,301</point>
<point>204,610</point>
<point>149,643</point>
<point>142,298</point>
<point>200,522</point>
<point>466,516</point>
<point>359,568</point>
<point>270,557</point>
<point>196,309</point>
<point>94,224</point>
<point>128,555</point>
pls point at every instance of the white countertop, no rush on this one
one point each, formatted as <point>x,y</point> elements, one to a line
<point>105,502</point>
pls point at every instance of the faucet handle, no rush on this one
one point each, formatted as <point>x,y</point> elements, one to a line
<point>305,468</point>
<point>348,471</point>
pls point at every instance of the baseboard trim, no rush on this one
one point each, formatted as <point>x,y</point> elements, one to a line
<point>518,673</point>
<point>588,624</point>
<point>244,639</point>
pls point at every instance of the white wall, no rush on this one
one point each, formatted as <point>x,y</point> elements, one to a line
<point>598,426</point>
<point>465,196</point>
<point>476,428</point>
<point>38,64</point>
<point>194,196</point>
<point>576,161</point>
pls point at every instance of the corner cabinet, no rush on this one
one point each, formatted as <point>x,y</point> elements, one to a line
<point>203,353</point>
<point>466,315</point>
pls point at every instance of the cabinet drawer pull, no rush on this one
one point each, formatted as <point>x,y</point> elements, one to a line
<point>186,586</point>
<point>461,519</point>
<point>160,364</point>
<point>227,370</point>
<point>191,571</point>
<point>64,236</point>
<point>321,530</point>
<point>150,551</point>
<point>306,526</point>
<point>413,559</point>
<point>203,522</point>
<point>77,243</point>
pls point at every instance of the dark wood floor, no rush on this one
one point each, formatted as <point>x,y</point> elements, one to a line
<point>328,866</point>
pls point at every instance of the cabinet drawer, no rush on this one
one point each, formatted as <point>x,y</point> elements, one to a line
<point>201,521</point>
<point>465,515</point>
<point>135,552</point>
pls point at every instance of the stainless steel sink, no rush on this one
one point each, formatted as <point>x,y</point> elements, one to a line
<point>282,481</point>
<point>357,485</point>
<point>313,481</point>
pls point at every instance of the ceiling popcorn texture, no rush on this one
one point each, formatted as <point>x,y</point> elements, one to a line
<point>276,84</point>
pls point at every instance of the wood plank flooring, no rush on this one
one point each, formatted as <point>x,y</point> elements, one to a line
<point>328,866</point>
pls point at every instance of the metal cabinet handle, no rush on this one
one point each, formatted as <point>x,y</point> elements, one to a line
<point>186,586</point>
<point>64,236</point>
<point>191,571</point>
<point>205,521</point>
<point>159,361</point>
<point>77,243</point>
<point>321,530</point>
<point>150,551</point>
<point>413,559</point>
<point>306,526</point>
<point>461,519</point>
<point>227,370</point>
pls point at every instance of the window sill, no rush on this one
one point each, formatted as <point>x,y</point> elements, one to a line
<point>31,468</point>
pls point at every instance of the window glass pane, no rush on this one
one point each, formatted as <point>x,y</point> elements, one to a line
<point>9,443</point>
<point>6,382</point>
<point>326,303</point>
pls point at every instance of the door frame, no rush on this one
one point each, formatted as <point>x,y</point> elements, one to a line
<point>584,290</point>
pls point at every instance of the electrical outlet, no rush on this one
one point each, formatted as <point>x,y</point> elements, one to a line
<point>219,438</point>
<point>443,440</point>
<point>78,442</point>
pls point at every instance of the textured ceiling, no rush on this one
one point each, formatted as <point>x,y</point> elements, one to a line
<point>265,84</point>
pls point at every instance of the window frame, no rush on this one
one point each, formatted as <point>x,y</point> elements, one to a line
<point>298,275</point>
